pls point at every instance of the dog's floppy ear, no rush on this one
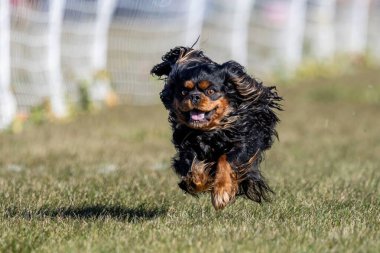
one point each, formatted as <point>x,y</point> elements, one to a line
<point>245,85</point>
<point>249,88</point>
<point>168,60</point>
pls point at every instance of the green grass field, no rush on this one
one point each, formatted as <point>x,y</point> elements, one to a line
<point>103,182</point>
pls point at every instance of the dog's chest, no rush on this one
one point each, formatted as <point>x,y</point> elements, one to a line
<point>207,146</point>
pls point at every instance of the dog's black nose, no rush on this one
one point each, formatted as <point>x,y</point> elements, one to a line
<point>195,98</point>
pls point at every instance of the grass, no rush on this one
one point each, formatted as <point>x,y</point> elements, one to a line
<point>102,183</point>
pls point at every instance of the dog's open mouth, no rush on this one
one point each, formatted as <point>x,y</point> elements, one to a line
<point>197,116</point>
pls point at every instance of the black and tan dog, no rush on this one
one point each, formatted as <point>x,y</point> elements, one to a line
<point>222,121</point>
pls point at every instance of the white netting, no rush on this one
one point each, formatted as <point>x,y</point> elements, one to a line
<point>139,34</point>
<point>29,39</point>
<point>266,38</point>
<point>57,48</point>
<point>78,32</point>
<point>319,30</point>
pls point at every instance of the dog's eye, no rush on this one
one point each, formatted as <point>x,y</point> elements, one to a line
<point>210,91</point>
<point>184,93</point>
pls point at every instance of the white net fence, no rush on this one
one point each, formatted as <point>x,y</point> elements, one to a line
<point>53,50</point>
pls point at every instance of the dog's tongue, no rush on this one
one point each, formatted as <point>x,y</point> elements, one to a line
<point>196,115</point>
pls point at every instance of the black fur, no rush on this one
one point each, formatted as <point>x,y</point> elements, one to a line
<point>245,133</point>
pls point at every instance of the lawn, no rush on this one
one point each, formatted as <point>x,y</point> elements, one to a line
<point>103,183</point>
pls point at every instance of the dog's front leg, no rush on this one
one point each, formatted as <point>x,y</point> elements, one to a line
<point>198,179</point>
<point>225,184</point>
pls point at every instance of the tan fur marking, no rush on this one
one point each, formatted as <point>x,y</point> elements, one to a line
<point>204,85</point>
<point>189,85</point>
<point>206,104</point>
<point>198,178</point>
<point>185,56</point>
<point>222,110</point>
<point>225,184</point>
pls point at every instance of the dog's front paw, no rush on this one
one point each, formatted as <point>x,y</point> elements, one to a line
<point>225,185</point>
<point>198,179</point>
<point>223,193</point>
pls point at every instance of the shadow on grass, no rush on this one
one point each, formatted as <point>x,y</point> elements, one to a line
<point>98,212</point>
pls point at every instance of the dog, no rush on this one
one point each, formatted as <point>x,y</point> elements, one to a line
<point>223,121</point>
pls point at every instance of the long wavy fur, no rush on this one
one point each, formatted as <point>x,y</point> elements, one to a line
<point>249,128</point>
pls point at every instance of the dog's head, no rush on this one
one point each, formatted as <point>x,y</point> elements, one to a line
<point>200,92</point>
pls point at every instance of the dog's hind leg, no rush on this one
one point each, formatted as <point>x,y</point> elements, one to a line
<point>225,184</point>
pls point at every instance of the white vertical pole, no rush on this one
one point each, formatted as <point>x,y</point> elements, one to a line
<point>7,100</point>
<point>57,98</point>
<point>105,9</point>
<point>323,41</point>
<point>294,33</point>
<point>239,36</point>
<point>359,26</point>
<point>195,21</point>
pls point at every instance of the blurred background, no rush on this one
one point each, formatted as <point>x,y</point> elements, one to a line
<point>60,54</point>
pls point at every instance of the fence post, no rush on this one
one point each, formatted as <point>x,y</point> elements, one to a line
<point>239,36</point>
<point>105,9</point>
<point>294,33</point>
<point>359,26</point>
<point>7,100</point>
<point>195,21</point>
<point>323,41</point>
<point>57,96</point>
<point>100,87</point>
